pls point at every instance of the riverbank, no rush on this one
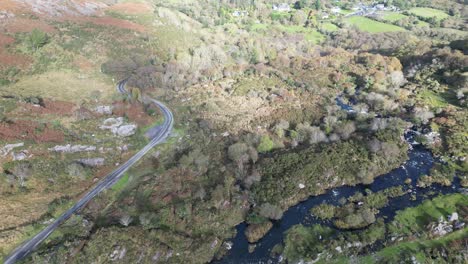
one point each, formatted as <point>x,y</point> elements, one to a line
<point>419,163</point>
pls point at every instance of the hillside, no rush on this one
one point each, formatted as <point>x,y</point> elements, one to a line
<point>274,104</point>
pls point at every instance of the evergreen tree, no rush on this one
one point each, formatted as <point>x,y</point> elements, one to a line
<point>317,5</point>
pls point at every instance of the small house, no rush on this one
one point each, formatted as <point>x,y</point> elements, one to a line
<point>335,10</point>
<point>240,13</point>
<point>281,7</point>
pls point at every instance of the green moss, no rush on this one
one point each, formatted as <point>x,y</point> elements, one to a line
<point>415,219</point>
<point>305,242</point>
<point>432,99</point>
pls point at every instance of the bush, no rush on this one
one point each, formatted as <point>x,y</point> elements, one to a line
<point>266,144</point>
<point>271,211</point>
<point>36,39</point>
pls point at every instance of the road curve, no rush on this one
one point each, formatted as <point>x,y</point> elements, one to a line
<point>163,132</point>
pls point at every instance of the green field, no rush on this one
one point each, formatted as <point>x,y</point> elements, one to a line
<point>345,11</point>
<point>309,34</point>
<point>392,16</point>
<point>372,26</point>
<point>259,27</point>
<point>329,27</point>
<point>428,12</point>
<point>423,24</point>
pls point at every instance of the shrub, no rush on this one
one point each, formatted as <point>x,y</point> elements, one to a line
<point>266,144</point>
<point>271,211</point>
<point>36,39</point>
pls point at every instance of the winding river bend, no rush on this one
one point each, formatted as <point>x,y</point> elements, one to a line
<point>420,161</point>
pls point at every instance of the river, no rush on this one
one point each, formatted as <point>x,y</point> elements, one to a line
<point>420,161</point>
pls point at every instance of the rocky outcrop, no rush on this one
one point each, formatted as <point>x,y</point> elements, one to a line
<point>117,127</point>
<point>21,155</point>
<point>444,227</point>
<point>112,123</point>
<point>91,162</point>
<point>72,149</point>
<point>7,148</point>
<point>104,109</point>
<point>126,130</point>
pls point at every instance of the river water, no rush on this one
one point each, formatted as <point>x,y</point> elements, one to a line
<point>419,163</point>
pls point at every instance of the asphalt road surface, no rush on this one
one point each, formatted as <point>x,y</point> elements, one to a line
<point>162,133</point>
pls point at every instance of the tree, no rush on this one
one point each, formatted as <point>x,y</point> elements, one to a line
<point>238,152</point>
<point>299,18</point>
<point>317,4</point>
<point>136,95</point>
<point>345,130</point>
<point>125,220</point>
<point>37,39</point>
<point>271,211</point>
<point>280,127</point>
<point>300,4</point>
<point>316,135</point>
<point>149,220</point>
<point>374,145</point>
<point>422,114</point>
<point>397,78</point>
<point>266,144</point>
<point>22,172</point>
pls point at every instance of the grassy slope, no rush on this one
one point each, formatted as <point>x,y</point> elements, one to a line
<point>301,242</point>
<point>372,26</point>
<point>392,16</point>
<point>330,27</point>
<point>60,85</point>
<point>428,12</point>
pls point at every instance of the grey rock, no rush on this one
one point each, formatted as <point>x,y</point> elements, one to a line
<point>111,123</point>
<point>125,130</point>
<point>7,148</point>
<point>22,155</point>
<point>104,109</point>
<point>92,162</point>
<point>72,149</point>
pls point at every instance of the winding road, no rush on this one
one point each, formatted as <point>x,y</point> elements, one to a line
<point>163,132</point>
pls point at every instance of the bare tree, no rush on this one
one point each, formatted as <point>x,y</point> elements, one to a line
<point>22,171</point>
<point>125,220</point>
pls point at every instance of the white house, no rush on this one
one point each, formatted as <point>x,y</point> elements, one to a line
<point>281,7</point>
<point>335,10</point>
<point>380,7</point>
<point>240,13</point>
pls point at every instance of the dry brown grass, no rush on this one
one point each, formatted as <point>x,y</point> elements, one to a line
<point>60,85</point>
<point>18,24</point>
<point>108,21</point>
<point>132,8</point>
